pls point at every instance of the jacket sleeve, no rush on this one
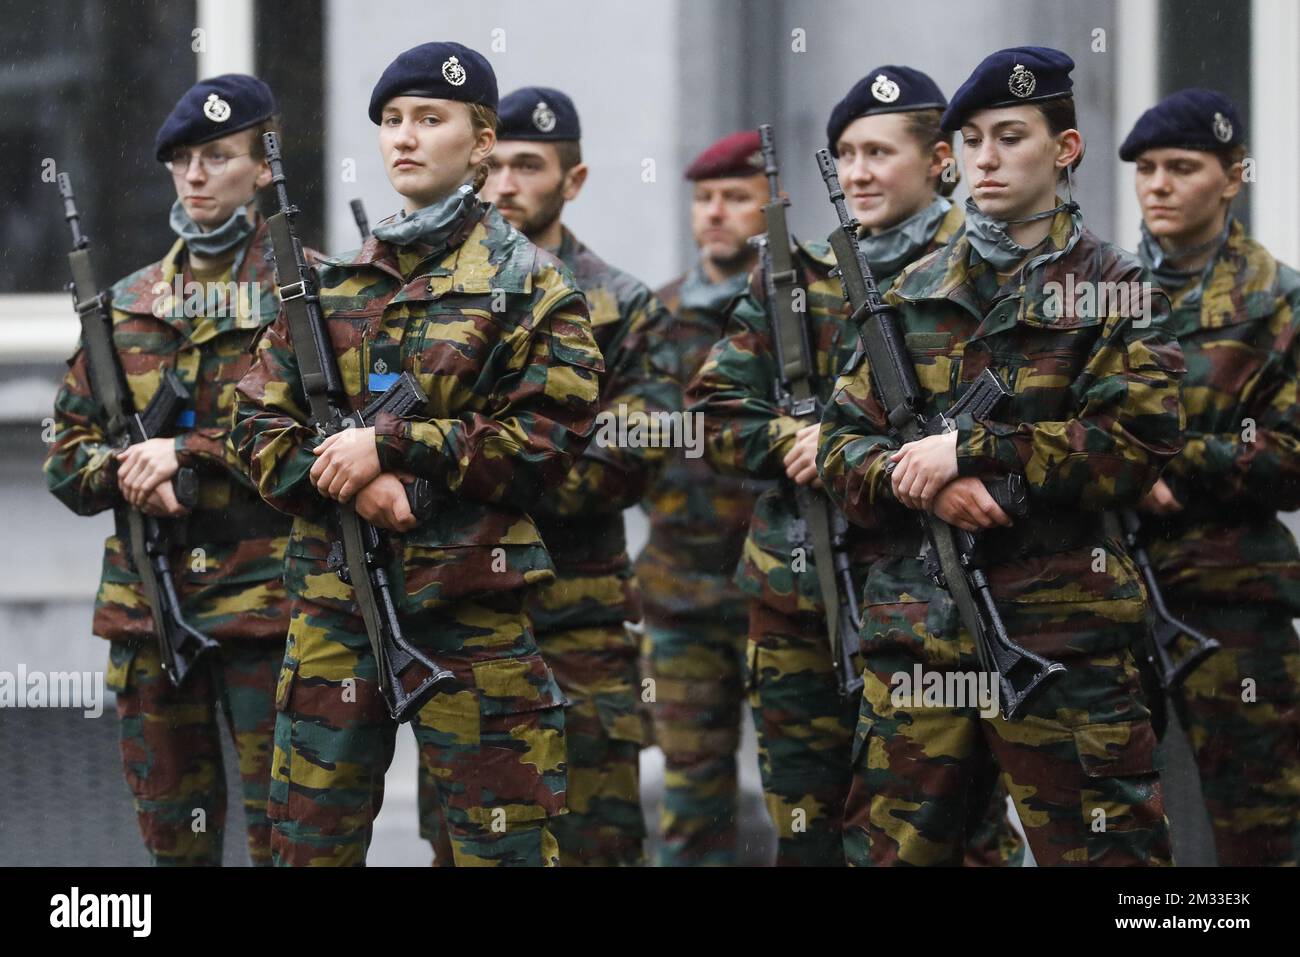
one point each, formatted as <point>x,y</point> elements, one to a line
<point>1127,422</point>
<point>854,448</point>
<point>271,437</point>
<point>641,392</point>
<point>1259,463</point>
<point>79,467</point>
<point>745,431</point>
<point>542,409</point>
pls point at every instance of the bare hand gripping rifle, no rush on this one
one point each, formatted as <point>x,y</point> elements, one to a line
<point>407,676</point>
<point>952,558</point>
<point>797,386</point>
<point>149,538</point>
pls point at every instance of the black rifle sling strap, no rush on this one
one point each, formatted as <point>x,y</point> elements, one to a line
<point>898,406</point>
<point>798,372</point>
<point>293,297</point>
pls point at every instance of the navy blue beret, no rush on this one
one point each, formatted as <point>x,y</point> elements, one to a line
<point>440,71</point>
<point>1008,78</point>
<point>886,89</point>
<point>538,113</point>
<point>210,109</point>
<point>1192,119</point>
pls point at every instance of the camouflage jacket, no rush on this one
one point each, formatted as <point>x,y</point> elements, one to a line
<point>499,339</point>
<point>748,434</point>
<point>203,336</point>
<point>698,517</point>
<point>1094,417</point>
<point>1240,463</point>
<point>582,520</point>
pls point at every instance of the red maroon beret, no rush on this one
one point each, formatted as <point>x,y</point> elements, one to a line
<point>739,154</point>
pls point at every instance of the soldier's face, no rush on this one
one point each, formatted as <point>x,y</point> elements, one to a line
<point>725,212</point>
<point>1012,161</point>
<point>429,147</point>
<point>886,174</point>
<point>210,197</point>
<point>1184,194</point>
<point>528,184</point>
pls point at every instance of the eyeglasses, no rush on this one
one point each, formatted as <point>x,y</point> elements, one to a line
<point>212,162</point>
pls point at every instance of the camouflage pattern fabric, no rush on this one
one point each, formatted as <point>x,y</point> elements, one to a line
<point>805,728</point>
<point>579,617</point>
<point>230,588</point>
<point>171,746</point>
<point>696,617</point>
<point>499,339</point>
<point>1226,563</point>
<point>1094,417</point>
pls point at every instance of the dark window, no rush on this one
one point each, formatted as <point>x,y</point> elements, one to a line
<point>84,87</point>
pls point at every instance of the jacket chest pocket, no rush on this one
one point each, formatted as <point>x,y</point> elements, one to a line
<point>1041,364</point>
<point>934,360</point>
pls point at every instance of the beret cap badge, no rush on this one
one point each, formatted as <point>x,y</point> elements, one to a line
<point>1222,128</point>
<point>216,109</point>
<point>884,89</point>
<point>453,72</point>
<point>543,117</point>
<point>1022,81</point>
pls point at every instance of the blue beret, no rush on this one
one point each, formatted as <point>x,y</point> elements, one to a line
<point>440,71</point>
<point>1191,119</point>
<point>538,113</point>
<point>1008,78</point>
<point>886,89</point>
<point>210,109</point>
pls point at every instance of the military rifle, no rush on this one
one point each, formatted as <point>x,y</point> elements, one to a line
<point>148,538</point>
<point>952,558</point>
<point>407,676</point>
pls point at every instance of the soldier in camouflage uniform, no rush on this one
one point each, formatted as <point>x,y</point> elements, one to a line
<point>805,726</point>
<point>184,314</point>
<point>579,618</point>
<point>1094,417</point>
<point>1225,561</point>
<point>695,615</point>
<point>498,337</point>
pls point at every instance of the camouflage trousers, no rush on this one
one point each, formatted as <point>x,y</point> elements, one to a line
<point>603,826</point>
<point>495,748</point>
<point>697,666</point>
<point>805,734</point>
<point>806,745</point>
<point>597,670</point>
<point>1241,711</point>
<point>171,745</point>
<point>1079,766</point>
